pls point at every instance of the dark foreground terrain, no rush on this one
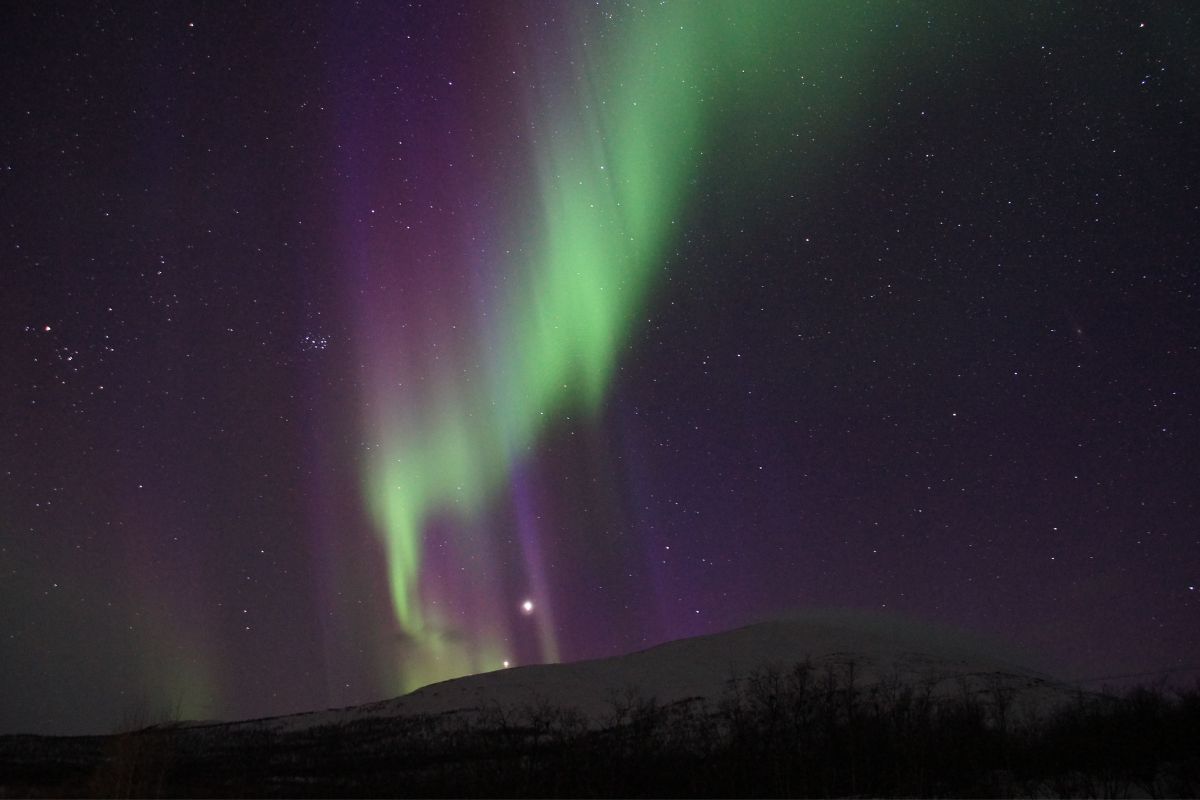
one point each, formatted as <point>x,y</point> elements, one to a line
<point>805,732</point>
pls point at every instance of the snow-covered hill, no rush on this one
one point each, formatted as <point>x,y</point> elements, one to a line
<point>499,734</point>
<point>881,649</point>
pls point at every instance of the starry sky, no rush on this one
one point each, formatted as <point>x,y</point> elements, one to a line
<point>353,346</point>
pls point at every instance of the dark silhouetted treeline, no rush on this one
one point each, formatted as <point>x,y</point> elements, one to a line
<point>795,733</point>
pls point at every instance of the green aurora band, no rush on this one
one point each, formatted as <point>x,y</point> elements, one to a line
<point>622,132</point>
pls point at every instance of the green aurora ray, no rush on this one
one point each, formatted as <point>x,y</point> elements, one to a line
<point>622,133</point>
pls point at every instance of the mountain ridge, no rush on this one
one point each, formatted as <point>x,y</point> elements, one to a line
<point>880,650</point>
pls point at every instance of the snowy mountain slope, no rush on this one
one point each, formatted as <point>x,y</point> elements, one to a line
<point>880,648</point>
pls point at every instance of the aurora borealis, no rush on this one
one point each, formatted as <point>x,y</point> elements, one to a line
<point>615,136</point>
<point>363,346</point>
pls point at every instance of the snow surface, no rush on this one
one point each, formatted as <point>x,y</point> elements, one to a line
<point>881,649</point>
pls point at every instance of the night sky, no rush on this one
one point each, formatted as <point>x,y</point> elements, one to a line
<point>350,347</point>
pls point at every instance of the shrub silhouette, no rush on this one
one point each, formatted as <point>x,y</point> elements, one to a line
<point>800,731</point>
